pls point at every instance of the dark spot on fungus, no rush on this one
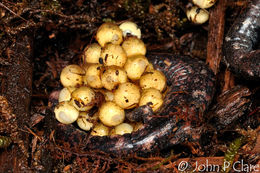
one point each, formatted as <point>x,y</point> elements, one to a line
<point>77,103</point>
<point>100,60</point>
<point>117,72</point>
<point>126,100</point>
<point>198,10</point>
<point>106,57</point>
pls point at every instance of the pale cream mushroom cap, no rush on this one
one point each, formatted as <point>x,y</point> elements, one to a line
<point>153,79</point>
<point>134,46</point>
<point>65,95</point>
<point>197,15</point>
<point>92,53</point>
<point>84,121</point>
<point>100,130</point>
<point>135,66</point>
<point>204,3</point>
<point>93,76</point>
<point>111,114</point>
<point>131,28</point>
<point>113,54</point>
<point>66,113</point>
<point>127,95</point>
<point>82,98</point>
<point>109,33</point>
<point>123,129</point>
<point>113,76</point>
<point>71,76</point>
<point>151,95</point>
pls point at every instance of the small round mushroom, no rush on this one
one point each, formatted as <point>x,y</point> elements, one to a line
<point>123,129</point>
<point>130,28</point>
<point>204,3</point>
<point>92,53</point>
<point>113,76</point>
<point>153,79</point>
<point>152,96</point>
<point>113,54</point>
<point>66,113</point>
<point>93,76</point>
<point>84,121</point>
<point>135,66</point>
<point>82,98</point>
<point>111,114</point>
<point>65,95</point>
<point>71,76</point>
<point>109,33</point>
<point>197,15</point>
<point>127,95</point>
<point>100,130</point>
<point>134,46</point>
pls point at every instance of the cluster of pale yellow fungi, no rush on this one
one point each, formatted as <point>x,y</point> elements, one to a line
<point>116,66</point>
<point>198,13</point>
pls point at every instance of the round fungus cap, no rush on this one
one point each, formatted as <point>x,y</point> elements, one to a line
<point>109,33</point>
<point>130,28</point>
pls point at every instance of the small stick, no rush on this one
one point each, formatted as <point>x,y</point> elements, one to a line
<point>229,81</point>
<point>2,5</point>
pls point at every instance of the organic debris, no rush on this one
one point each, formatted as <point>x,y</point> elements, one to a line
<point>40,37</point>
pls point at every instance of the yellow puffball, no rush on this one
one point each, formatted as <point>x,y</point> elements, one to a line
<point>123,129</point>
<point>127,95</point>
<point>66,113</point>
<point>153,96</point>
<point>109,33</point>
<point>134,46</point>
<point>92,53</point>
<point>93,76</point>
<point>153,79</point>
<point>100,130</point>
<point>71,76</point>
<point>111,114</point>
<point>82,98</point>
<point>113,54</point>
<point>135,66</point>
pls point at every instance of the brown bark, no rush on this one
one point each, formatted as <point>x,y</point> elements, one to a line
<point>215,35</point>
<point>16,87</point>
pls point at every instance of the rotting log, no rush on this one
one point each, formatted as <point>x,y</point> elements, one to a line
<point>16,87</point>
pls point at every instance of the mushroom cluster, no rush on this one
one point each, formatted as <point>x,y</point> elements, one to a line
<point>115,76</point>
<point>198,13</point>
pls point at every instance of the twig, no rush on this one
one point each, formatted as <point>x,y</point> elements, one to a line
<point>11,11</point>
<point>34,134</point>
<point>229,81</point>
